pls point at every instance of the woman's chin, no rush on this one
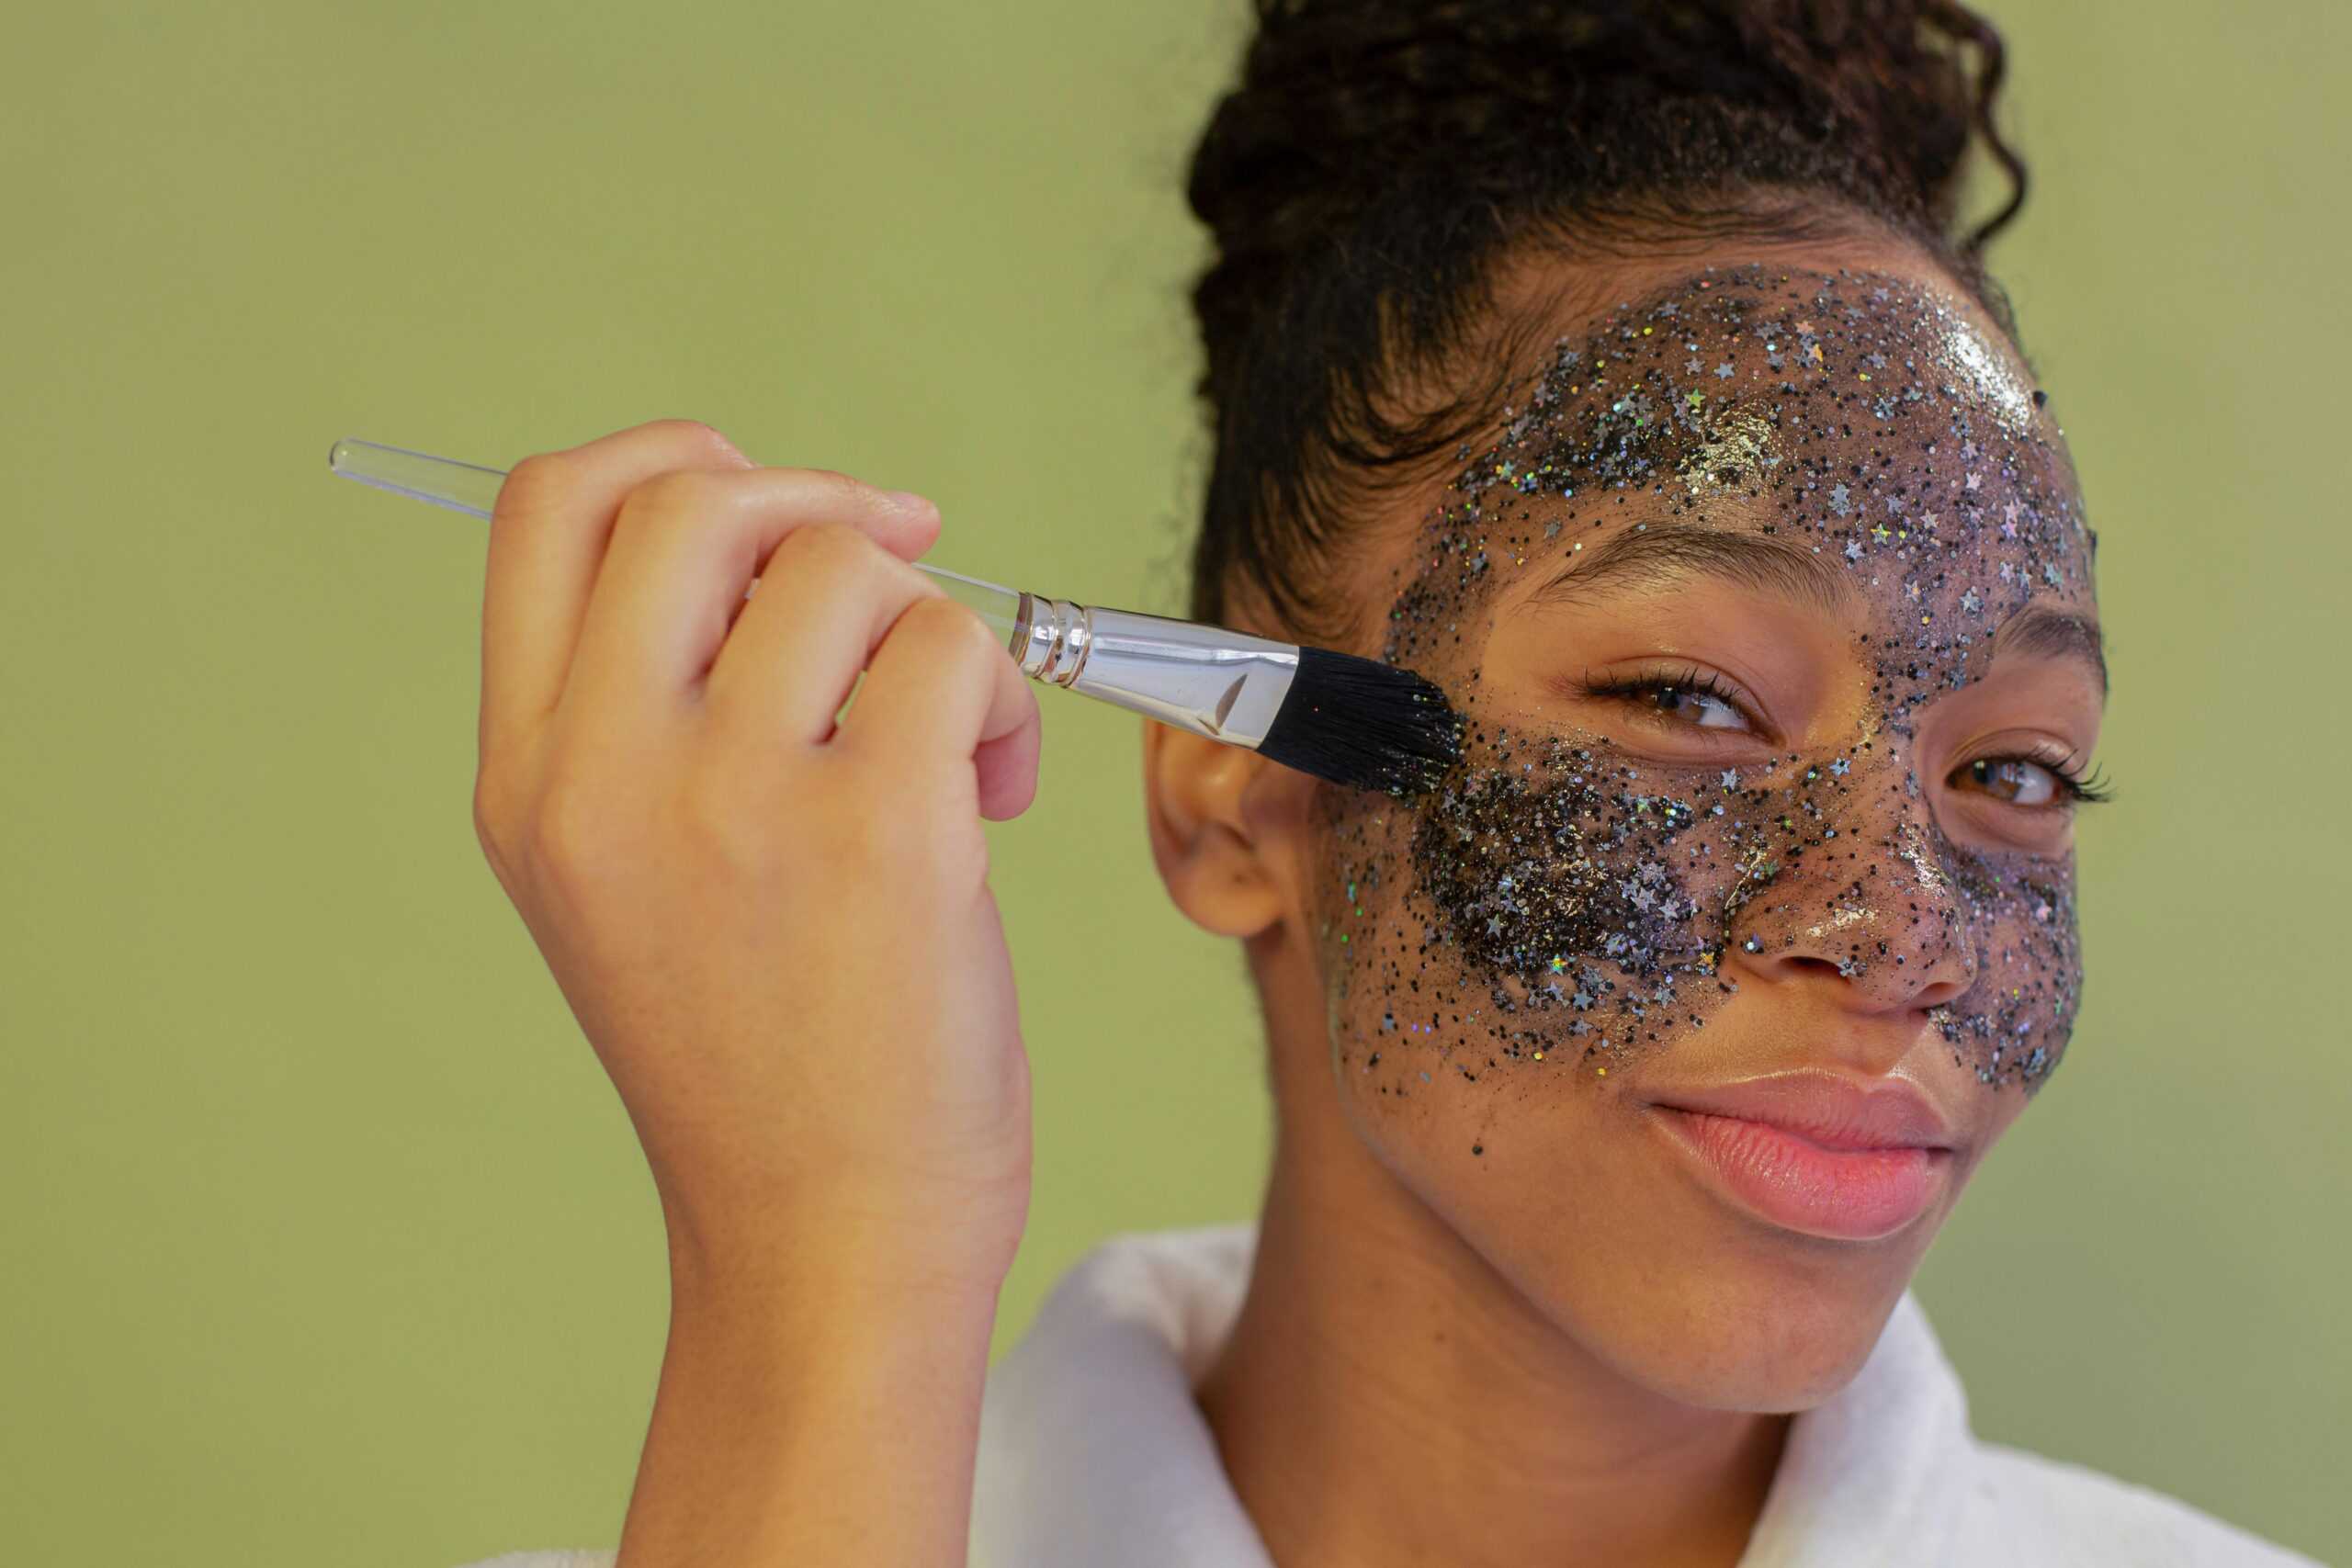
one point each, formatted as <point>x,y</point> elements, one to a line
<point>1725,1341</point>
<point>1683,1291</point>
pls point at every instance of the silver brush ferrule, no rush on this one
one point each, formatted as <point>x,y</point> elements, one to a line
<point>1225,684</point>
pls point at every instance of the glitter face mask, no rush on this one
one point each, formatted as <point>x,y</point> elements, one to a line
<point>1565,903</point>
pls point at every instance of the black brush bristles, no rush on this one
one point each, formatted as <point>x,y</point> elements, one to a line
<point>1363,724</point>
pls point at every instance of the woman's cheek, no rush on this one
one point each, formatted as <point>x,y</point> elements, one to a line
<point>2013,1022</point>
<point>1556,901</point>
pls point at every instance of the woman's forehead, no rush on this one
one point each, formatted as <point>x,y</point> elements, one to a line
<point>1865,436</point>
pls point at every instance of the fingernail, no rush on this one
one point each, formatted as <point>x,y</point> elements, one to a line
<point>907,500</point>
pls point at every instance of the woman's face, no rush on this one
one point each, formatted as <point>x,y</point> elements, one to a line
<point>1770,604</point>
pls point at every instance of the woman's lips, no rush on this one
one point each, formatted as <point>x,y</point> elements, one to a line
<point>1857,1194</point>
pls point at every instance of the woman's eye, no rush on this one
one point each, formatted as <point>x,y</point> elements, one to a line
<point>1702,708</point>
<point>2012,779</point>
<point>1671,699</point>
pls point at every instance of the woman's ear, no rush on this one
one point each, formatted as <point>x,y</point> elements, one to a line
<point>1207,835</point>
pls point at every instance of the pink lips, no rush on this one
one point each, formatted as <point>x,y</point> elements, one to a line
<point>1814,1152</point>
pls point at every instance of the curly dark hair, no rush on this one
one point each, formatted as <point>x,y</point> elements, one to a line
<point>1378,159</point>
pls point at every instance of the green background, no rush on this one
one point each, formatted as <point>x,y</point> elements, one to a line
<point>326,1239</point>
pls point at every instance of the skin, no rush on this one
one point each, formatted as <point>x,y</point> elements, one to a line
<point>1496,1317</point>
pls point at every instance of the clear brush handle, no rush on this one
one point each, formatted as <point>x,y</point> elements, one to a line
<point>471,488</point>
<point>1225,684</point>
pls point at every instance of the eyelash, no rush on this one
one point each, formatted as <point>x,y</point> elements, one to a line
<point>2079,789</point>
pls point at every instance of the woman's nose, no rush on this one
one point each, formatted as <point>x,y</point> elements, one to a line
<point>1889,929</point>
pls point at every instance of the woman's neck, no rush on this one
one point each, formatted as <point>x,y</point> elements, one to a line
<point>1385,1398</point>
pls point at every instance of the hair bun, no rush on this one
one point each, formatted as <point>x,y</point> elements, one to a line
<point>1340,102</point>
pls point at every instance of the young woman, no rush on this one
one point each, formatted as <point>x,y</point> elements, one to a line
<point>1619,368</point>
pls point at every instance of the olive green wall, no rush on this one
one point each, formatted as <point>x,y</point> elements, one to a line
<point>326,1240</point>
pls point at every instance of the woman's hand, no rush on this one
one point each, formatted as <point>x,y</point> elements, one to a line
<point>777,935</point>
<point>779,938</point>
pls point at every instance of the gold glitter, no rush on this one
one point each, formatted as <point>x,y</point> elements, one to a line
<point>1738,452</point>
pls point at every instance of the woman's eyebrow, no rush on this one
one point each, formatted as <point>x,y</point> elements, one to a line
<point>1658,554</point>
<point>2046,632</point>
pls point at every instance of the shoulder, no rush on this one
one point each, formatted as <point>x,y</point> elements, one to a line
<point>2045,1510</point>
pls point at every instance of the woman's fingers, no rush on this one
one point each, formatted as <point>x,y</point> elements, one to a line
<point>616,583</point>
<point>547,535</point>
<point>686,547</point>
<point>942,689</point>
<point>1007,768</point>
<point>827,596</point>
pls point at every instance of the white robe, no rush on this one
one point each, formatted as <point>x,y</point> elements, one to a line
<point>1093,1455</point>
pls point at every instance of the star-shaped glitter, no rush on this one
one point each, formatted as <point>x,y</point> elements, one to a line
<point>1840,501</point>
<point>1882,533</point>
<point>1854,549</point>
<point>1973,481</point>
<point>1731,778</point>
<point>1558,966</point>
<point>1494,925</point>
<point>1971,602</point>
<point>1693,366</point>
<point>1723,371</point>
<point>2008,530</point>
<point>1581,1001</point>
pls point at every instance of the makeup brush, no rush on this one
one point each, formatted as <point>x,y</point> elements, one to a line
<point>1352,721</point>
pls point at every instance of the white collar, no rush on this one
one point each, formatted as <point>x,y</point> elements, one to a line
<point>1092,1450</point>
